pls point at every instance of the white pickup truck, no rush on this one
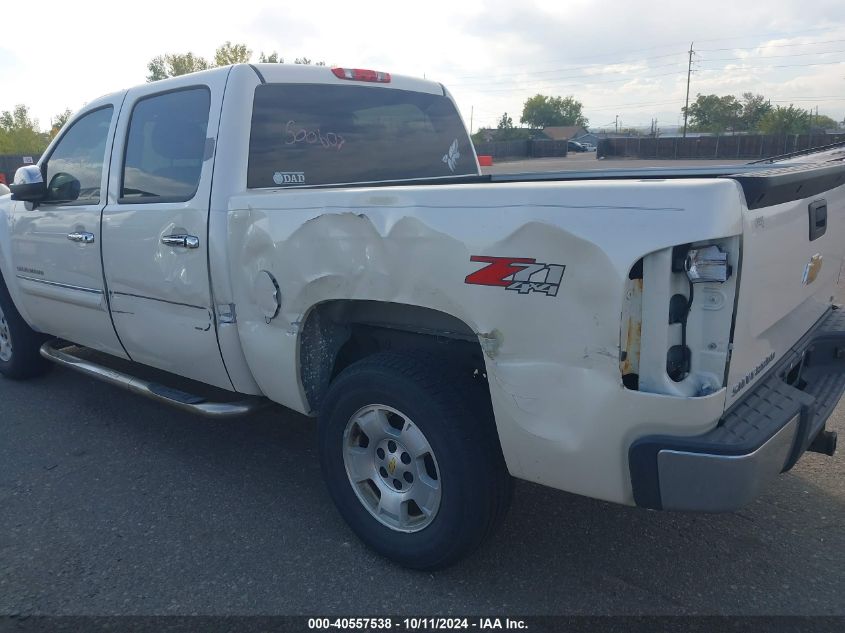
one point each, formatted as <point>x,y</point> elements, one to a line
<point>322,238</point>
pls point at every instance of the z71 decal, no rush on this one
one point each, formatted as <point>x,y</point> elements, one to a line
<point>522,274</point>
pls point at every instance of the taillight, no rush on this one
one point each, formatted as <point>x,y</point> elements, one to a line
<point>361,74</point>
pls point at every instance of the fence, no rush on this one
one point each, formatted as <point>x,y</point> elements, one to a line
<point>740,147</point>
<point>522,149</point>
<point>9,164</point>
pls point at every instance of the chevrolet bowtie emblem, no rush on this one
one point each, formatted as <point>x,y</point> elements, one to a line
<point>811,270</point>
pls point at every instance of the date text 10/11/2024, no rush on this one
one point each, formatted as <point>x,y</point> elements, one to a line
<point>416,624</point>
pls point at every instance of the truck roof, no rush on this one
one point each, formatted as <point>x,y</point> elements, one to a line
<point>299,73</point>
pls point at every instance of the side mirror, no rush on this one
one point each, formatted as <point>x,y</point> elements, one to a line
<point>63,188</point>
<point>29,184</point>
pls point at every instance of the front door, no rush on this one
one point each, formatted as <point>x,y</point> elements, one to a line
<point>56,243</point>
<point>155,251</point>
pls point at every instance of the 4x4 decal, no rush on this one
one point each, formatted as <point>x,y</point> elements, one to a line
<point>522,274</point>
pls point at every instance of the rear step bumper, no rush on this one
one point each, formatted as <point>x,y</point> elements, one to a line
<point>54,351</point>
<point>760,436</point>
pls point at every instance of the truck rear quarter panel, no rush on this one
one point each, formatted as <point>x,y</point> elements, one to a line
<point>563,415</point>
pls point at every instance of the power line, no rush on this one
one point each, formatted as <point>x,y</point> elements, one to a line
<point>613,81</point>
<point>775,66</point>
<point>750,48</point>
<point>664,46</point>
<point>587,79</point>
<point>521,81</point>
<point>579,76</point>
<point>726,59</point>
<point>567,69</point>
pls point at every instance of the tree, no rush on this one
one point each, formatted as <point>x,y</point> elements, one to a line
<point>541,111</point>
<point>174,65</point>
<point>788,120</point>
<point>505,122</point>
<point>58,122</point>
<point>823,122</point>
<point>712,113</point>
<point>754,108</point>
<point>19,133</point>
<point>229,54</point>
<point>307,62</point>
<point>272,58</point>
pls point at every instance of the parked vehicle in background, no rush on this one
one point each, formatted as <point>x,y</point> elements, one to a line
<point>575,146</point>
<point>323,238</point>
<point>3,189</point>
<point>588,146</point>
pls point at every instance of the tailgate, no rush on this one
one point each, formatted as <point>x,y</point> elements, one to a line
<point>792,249</point>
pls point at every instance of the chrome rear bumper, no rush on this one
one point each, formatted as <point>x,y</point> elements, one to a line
<point>760,436</point>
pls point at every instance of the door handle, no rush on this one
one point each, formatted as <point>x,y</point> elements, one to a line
<point>183,241</point>
<point>82,237</point>
<point>818,219</point>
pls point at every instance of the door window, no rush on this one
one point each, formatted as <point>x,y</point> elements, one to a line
<point>75,167</point>
<point>165,147</point>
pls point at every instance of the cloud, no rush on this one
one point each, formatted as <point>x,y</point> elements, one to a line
<point>617,57</point>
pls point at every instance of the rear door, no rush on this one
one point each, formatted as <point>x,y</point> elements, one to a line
<point>155,228</point>
<point>56,243</point>
<point>792,249</point>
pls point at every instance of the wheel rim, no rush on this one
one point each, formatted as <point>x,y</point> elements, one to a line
<point>5,339</point>
<point>392,468</point>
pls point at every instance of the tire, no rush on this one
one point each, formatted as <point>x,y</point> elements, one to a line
<point>19,344</point>
<point>454,486</point>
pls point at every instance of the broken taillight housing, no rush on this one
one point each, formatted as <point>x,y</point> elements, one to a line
<point>707,264</point>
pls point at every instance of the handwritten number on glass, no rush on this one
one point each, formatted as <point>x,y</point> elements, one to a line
<point>329,140</point>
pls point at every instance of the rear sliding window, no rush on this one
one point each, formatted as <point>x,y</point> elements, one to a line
<point>313,134</point>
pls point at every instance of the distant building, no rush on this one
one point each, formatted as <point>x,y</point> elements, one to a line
<point>564,133</point>
<point>592,138</point>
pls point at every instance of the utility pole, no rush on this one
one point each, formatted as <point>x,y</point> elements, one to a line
<point>686,103</point>
<point>616,124</point>
<point>471,113</point>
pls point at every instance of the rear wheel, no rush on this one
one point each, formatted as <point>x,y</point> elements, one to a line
<point>411,460</point>
<point>19,344</point>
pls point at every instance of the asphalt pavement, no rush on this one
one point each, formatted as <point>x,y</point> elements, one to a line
<point>111,505</point>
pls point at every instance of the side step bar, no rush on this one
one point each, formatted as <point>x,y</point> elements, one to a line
<point>161,393</point>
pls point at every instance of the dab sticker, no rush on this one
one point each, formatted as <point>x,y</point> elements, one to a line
<point>289,177</point>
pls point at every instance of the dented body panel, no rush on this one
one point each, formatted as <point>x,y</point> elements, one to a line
<point>572,290</point>
<point>554,368</point>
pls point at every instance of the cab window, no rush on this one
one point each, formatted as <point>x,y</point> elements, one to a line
<point>74,171</point>
<point>165,147</point>
<point>318,134</point>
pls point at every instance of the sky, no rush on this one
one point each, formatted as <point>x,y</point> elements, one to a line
<point>625,59</point>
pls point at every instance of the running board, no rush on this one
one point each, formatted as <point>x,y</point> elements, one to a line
<point>154,391</point>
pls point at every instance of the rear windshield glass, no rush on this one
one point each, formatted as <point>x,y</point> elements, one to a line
<point>313,134</point>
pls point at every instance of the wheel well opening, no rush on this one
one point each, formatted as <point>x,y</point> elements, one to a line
<point>338,333</point>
